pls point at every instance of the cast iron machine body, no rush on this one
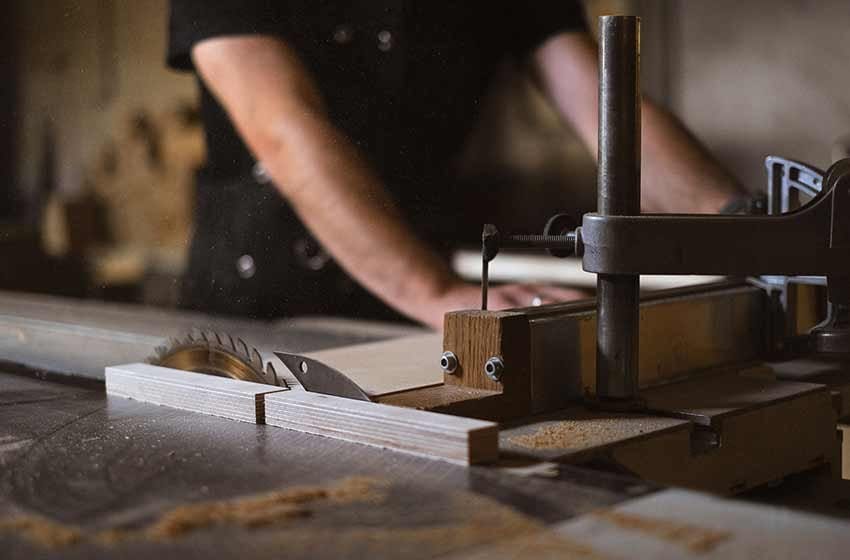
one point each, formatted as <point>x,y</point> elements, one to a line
<point>810,244</point>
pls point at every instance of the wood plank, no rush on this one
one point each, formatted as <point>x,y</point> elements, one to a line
<point>523,267</point>
<point>387,367</point>
<point>762,433</point>
<point>709,398</point>
<point>197,392</point>
<point>833,374</point>
<point>429,434</point>
<point>678,525</point>
<point>683,525</point>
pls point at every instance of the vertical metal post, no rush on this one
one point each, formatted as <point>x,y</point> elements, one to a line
<point>617,296</point>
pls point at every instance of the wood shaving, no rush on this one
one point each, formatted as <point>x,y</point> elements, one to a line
<point>249,512</point>
<point>259,510</point>
<point>474,525</point>
<point>41,531</point>
<point>479,528</point>
<point>696,539</point>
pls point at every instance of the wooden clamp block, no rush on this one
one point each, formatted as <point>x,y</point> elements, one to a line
<point>549,352</point>
<point>760,431</point>
<point>436,436</point>
<point>197,392</point>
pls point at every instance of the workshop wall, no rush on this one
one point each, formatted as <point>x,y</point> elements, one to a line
<point>761,77</point>
<point>105,126</point>
<point>8,200</point>
<point>104,130</point>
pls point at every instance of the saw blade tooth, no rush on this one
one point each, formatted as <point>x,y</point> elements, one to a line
<point>204,336</point>
<point>213,337</point>
<point>243,348</point>
<point>272,374</point>
<point>256,359</point>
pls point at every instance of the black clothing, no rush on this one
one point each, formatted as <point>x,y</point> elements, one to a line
<point>402,78</point>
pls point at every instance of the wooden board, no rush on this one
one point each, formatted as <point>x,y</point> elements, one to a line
<point>709,398</point>
<point>682,525</point>
<point>833,374</point>
<point>522,267</point>
<point>197,392</point>
<point>387,367</point>
<point>763,431</point>
<point>678,525</point>
<point>429,434</point>
<point>722,432</point>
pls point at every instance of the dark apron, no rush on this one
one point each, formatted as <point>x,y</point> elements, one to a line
<point>251,256</point>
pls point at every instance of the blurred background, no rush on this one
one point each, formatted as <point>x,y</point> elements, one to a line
<point>99,141</point>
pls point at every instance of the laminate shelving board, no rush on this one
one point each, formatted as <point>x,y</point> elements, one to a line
<point>197,392</point>
<point>437,436</point>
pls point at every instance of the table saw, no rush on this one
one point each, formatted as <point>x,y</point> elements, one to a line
<point>695,422</point>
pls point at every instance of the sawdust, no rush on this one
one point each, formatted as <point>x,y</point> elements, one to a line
<point>112,537</point>
<point>260,510</point>
<point>473,525</point>
<point>696,539</point>
<point>41,531</point>
<point>568,434</point>
<point>248,512</point>
<point>478,527</point>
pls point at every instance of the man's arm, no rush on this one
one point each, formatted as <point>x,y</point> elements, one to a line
<point>278,111</point>
<point>678,175</point>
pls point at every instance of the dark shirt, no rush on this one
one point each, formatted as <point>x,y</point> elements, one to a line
<point>402,79</point>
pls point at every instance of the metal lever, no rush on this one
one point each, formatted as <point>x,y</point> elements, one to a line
<point>559,238</point>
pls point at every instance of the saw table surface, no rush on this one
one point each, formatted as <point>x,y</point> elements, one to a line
<point>87,476</point>
<point>70,454</point>
<point>83,475</point>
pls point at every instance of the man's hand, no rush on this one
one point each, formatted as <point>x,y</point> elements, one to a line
<point>462,295</point>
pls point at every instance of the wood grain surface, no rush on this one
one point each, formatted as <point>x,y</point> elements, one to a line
<point>198,392</point>
<point>386,367</point>
<point>429,434</point>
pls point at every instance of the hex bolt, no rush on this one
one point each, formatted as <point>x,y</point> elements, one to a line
<point>494,368</point>
<point>448,362</point>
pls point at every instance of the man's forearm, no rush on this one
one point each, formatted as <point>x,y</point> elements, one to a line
<point>276,108</point>
<point>341,201</point>
<point>678,174</point>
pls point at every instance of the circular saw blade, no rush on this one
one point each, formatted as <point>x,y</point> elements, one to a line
<point>213,353</point>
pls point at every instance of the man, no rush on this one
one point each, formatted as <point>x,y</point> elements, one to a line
<point>356,111</point>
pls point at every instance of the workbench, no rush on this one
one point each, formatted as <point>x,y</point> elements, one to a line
<point>105,469</point>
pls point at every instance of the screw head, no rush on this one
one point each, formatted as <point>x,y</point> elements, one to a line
<point>494,368</point>
<point>246,267</point>
<point>448,362</point>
